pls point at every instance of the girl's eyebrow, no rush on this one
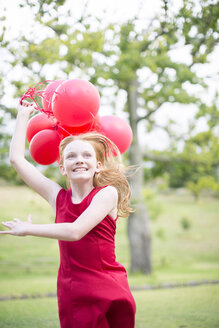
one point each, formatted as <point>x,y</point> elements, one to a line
<point>74,153</point>
<point>70,153</point>
<point>87,151</point>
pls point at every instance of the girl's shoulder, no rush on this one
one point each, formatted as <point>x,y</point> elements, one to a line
<point>107,189</point>
<point>106,192</point>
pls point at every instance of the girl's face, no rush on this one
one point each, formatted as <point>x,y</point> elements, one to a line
<point>79,161</point>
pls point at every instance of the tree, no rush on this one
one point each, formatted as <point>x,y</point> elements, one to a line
<point>203,183</point>
<point>196,165</point>
<point>133,58</point>
<point>149,50</point>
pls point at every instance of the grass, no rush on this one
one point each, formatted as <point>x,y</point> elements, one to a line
<point>29,265</point>
<point>194,307</point>
<point>177,308</point>
<point>41,313</point>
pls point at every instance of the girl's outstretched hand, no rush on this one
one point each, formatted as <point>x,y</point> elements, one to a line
<point>26,107</point>
<point>17,227</point>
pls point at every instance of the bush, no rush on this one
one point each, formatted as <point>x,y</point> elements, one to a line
<point>185,223</point>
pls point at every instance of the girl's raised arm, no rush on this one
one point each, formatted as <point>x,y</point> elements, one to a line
<point>45,187</point>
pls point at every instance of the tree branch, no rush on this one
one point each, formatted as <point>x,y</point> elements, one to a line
<point>146,116</point>
<point>174,158</point>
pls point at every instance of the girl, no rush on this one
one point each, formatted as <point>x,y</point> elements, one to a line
<point>92,288</point>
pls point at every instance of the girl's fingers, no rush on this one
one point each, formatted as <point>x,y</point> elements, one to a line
<point>16,220</point>
<point>13,224</point>
<point>8,224</point>
<point>26,103</point>
<point>5,232</point>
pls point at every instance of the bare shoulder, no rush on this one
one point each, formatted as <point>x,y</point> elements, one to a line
<point>111,199</point>
<point>110,191</point>
<point>108,198</point>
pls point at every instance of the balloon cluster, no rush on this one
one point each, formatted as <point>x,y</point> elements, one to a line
<point>70,107</point>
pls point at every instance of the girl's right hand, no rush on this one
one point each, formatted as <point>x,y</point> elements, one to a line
<point>26,107</point>
<point>17,227</point>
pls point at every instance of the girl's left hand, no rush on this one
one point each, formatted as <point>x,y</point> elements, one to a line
<point>17,227</point>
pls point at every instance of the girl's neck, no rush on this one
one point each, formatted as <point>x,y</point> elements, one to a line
<point>80,191</point>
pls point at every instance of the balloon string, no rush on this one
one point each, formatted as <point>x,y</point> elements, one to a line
<point>33,92</point>
<point>61,127</point>
<point>95,123</point>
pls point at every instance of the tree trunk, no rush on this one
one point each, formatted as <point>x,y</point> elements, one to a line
<point>138,222</point>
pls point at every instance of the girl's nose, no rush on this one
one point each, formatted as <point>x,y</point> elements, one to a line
<point>79,160</point>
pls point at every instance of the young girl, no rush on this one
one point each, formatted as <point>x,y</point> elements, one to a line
<point>92,288</point>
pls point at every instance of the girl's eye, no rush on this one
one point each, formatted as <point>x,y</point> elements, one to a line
<point>70,156</point>
<point>87,155</point>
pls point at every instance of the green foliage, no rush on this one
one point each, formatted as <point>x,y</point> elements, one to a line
<point>153,206</point>
<point>200,27</point>
<point>203,183</point>
<point>118,55</point>
<point>43,53</point>
<point>8,174</point>
<point>210,113</point>
<point>52,172</point>
<point>195,167</point>
<point>160,233</point>
<point>185,223</point>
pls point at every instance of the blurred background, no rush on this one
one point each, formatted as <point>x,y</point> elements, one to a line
<point>155,64</point>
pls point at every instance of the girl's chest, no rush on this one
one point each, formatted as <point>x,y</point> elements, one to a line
<point>67,214</point>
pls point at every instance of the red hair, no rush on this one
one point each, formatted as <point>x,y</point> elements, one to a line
<point>112,172</point>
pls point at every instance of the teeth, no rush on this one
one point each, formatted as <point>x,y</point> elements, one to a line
<point>79,169</point>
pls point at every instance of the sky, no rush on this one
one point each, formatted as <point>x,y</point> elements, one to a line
<point>21,21</point>
<point>115,10</point>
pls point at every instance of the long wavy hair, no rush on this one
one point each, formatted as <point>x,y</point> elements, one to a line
<point>112,172</point>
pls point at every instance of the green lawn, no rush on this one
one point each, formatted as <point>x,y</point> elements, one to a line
<point>29,265</point>
<point>194,307</point>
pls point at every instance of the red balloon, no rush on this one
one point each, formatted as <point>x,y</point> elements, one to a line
<point>48,94</point>
<point>44,147</point>
<point>37,123</point>
<point>65,131</point>
<point>75,102</point>
<point>117,130</point>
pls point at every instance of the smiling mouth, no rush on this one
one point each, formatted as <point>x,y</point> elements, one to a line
<point>80,169</point>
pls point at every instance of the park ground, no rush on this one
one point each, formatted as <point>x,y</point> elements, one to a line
<point>185,253</point>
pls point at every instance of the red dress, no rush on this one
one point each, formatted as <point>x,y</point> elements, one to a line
<point>92,288</point>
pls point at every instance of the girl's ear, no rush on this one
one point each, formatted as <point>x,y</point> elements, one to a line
<point>62,170</point>
<point>99,166</point>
